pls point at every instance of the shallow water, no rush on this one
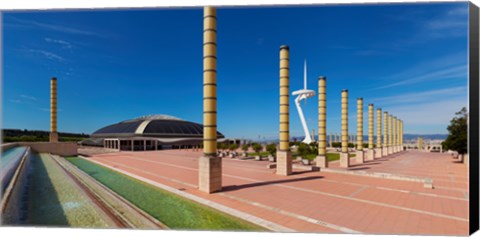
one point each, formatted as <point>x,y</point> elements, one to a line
<point>9,160</point>
<point>11,155</point>
<point>54,200</point>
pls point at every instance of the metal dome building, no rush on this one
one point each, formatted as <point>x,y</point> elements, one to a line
<point>151,132</point>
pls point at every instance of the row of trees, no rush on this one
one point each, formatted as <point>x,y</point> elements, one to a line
<point>271,148</point>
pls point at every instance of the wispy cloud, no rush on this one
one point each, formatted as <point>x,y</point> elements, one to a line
<point>17,101</point>
<point>62,43</point>
<point>422,97</point>
<point>439,69</point>
<point>47,54</point>
<point>450,23</point>
<point>21,23</point>
<point>442,74</point>
<point>28,97</point>
<point>369,52</point>
<point>433,113</point>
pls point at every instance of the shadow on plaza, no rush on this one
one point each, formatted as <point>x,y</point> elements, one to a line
<point>252,185</point>
<point>359,168</point>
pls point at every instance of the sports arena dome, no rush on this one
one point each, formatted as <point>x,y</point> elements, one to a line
<point>150,132</point>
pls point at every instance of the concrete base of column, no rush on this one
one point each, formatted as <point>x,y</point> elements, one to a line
<point>53,137</point>
<point>344,159</point>
<point>284,163</point>
<point>370,154</point>
<point>322,161</point>
<point>384,151</point>
<point>210,174</point>
<point>360,156</point>
<point>378,152</point>
<point>400,148</point>
<point>389,150</point>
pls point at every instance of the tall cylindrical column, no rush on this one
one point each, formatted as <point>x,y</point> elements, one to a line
<point>210,165</point>
<point>209,82</point>
<point>397,134</point>
<point>284,98</point>
<point>390,120</point>
<point>370,126</point>
<point>370,151</point>
<point>53,110</point>
<point>284,160</point>
<point>401,134</point>
<point>360,124</point>
<point>360,154</point>
<point>394,134</point>
<point>420,143</point>
<point>378,150</point>
<point>399,144</point>
<point>385,134</point>
<point>344,155</point>
<point>322,160</point>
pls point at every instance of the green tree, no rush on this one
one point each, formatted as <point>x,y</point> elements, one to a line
<point>257,148</point>
<point>272,149</point>
<point>233,147</point>
<point>458,129</point>
<point>245,147</point>
<point>304,149</point>
<point>221,146</point>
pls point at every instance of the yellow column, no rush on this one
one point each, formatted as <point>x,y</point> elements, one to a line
<point>322,160</point>
<point>420,144</point>
<point>53,110</point>
<point>344,155</point>
<point>385,134</point>
<point>360,154</point>
<point>284,158</point>
<point>401,134</point>
<point>370,151</point>
<point>210,165</point>
<point>397,134</point>
<point>394,134</point>
<point>378,149</point>
<point>390,120</point>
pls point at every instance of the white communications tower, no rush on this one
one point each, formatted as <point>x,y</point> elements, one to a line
<point>304,94</point>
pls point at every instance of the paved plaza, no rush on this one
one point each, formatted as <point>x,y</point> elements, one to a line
<point>312,201</point>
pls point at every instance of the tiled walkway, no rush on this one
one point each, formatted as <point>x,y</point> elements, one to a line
<point>323,201</point>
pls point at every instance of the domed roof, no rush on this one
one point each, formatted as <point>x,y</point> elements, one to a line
<point>153,126</point>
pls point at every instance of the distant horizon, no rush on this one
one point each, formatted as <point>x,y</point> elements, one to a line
<point>409,59</point>
<point>405,134</point>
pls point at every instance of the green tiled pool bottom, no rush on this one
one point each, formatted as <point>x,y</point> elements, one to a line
<point>55,200</point>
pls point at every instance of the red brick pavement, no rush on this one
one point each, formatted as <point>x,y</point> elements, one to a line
<point>321,201</point>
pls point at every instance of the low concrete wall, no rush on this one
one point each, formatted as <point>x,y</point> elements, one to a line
<point>57,148</point>
<point>5,146</point>
<point>12,206</point>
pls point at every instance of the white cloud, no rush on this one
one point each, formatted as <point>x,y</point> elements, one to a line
<point>439,69</point>
<point>28,97</point>
<point>20,23</point>
<point>423,96</point>
<point>63,43</point>
<point>434,113</point>
<point>48,55</point>
<point>442,74</point>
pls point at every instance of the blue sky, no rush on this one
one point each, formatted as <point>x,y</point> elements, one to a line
<point>408,59</point>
